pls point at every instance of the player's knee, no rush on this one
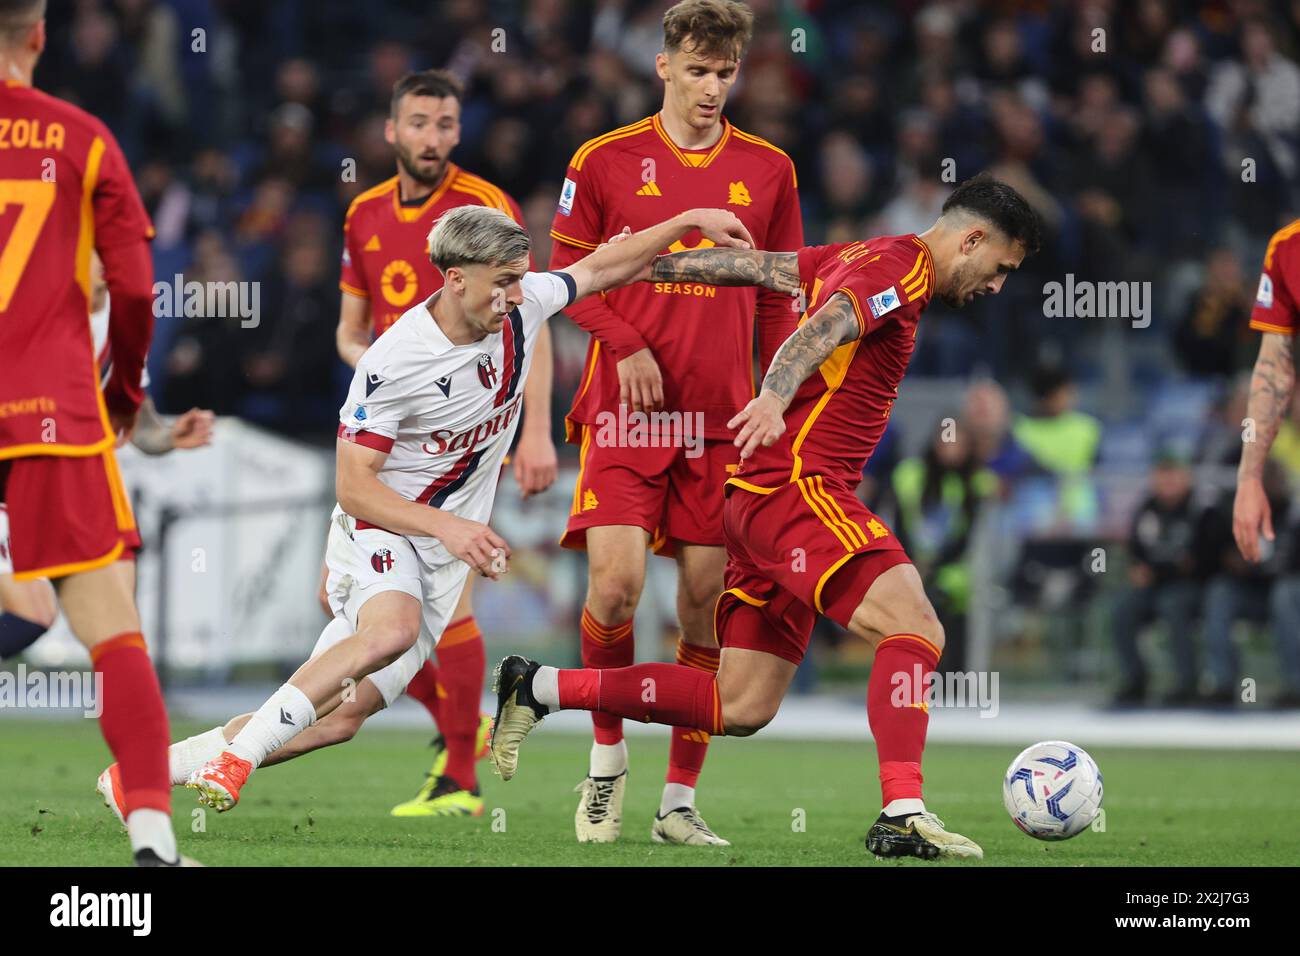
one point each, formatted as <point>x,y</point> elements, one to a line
<point>341,729</point>
<point>746,718</point>
<point>612,596</point>
<point>699,597</point>
<point>386,641</point>
<point>915,617</point>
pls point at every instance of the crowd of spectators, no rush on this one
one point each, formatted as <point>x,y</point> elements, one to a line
<point>1158,139</point>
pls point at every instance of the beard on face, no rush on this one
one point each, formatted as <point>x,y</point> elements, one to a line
<point>409,162</point>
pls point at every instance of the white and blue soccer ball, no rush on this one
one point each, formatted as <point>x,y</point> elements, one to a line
<point>1052,790</point>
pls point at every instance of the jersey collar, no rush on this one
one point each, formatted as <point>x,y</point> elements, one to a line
<point>416,213</point>
<point>429,330</point>
<point>681,155</point>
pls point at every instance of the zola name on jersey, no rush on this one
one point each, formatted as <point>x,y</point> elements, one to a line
<point>445,440</point>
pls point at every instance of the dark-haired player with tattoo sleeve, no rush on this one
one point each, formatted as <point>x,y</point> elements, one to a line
<point>1277,315</point>
<point>803,444</point>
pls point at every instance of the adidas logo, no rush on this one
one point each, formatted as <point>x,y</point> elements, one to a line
<point>373,244</point>
<point>649,189</point>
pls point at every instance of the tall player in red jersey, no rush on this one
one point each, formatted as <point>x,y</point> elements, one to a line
<point>680,347</point>
<point>386,270</point>
<point>65,189</point>
<point>804,441</point>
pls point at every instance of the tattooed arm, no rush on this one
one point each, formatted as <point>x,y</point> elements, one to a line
<point>778,271</point>
<point>833,325</point>
<point>1271,387</point>
<point>156,435</point>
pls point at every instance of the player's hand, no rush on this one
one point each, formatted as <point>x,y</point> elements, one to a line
<point>723,228</point>
<point>476,544</point>
<point>646,270</point>
<point>761,422</point>
<point>640,383</point>
<point>193,429</point>
<point>618,237</point>
<point>536,463</point>
<point>123,425</point>
<point>1251,516</point>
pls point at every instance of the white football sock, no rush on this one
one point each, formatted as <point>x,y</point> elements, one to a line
<point>285,714</point>
<point>675,795</point>
<point>186,756</point>
<point>546,687</point>
<point>152,829</point>
<point>898,808</point>
<point>608,760</point>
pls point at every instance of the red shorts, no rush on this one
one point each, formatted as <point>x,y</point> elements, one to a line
<point>806,548</point>
<point>675,494</point>
<point>66,514</point>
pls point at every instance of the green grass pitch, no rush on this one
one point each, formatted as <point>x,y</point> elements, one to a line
<point>779,802</point>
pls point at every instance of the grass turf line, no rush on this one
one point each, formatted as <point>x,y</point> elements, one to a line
<point>780,803</point>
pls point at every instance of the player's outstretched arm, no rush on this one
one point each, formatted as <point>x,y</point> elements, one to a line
<point>762,421</point>
<point>362,495</point>
<point>1271,387</point>
<point>778,271</point>
<point>618,263</point>
<point>156,435</point>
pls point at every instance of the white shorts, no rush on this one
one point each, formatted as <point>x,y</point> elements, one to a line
<point>364,563</point>
<point>6,562</point>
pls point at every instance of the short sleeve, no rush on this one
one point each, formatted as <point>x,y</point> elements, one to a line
<point>551,291</point>
<point>578,215</point>
<point>1275,303</point>
<point>352,279</point>
<point>374,408</point>
<point>878,285</point>
<point>120,217</point>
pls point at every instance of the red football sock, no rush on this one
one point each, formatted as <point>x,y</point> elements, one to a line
<point>424,687</point>
<point>464,663</point>
<point>604,646</point>
<point>134,721</point>
<point>652,693</point>
<point>899,729</point>
<point>689,747</point>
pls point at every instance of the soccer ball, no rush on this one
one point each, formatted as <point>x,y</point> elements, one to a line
<point>1052,790</point>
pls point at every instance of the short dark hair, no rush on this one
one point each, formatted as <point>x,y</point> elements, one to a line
<point>715,28</point>
<point>436,83</point>
<point>17,17</point>
<point>998,204</point>
<point>1047,379</point>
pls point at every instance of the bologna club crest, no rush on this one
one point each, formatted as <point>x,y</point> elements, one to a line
<point>487,372</point>
<point>382,560</point>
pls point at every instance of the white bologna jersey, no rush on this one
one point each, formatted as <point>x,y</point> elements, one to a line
<point>446,414</point>
<point>103,355</point>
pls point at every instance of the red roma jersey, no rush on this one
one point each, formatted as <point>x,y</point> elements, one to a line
<point>839,413</point>
<point>702,336</point>
<point>1277,303</point>
<point>386,244</point>
<point>65,189</point>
